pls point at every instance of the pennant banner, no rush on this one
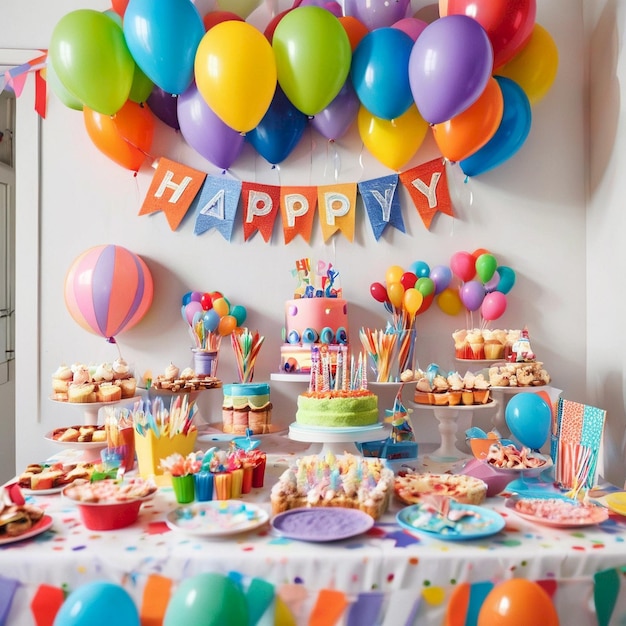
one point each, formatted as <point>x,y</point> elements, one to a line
<point>297,207</point>
<point>382,203</point>
<point>216,205</point>
<point>337,204</point>
<point>260,207</point>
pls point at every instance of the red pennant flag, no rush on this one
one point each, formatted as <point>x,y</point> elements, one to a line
<point>260,208</point>
<point>46,604</point>
<point>427,185</point>
<point>297,207</point>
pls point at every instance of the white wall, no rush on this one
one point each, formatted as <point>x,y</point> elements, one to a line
<point>530,212</point>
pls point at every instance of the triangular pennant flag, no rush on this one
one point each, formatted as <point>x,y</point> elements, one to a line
<point>427,185</point>
<point>172,190</point>
<point>8,587</point>
<point>46,604</point>
<point>366,609</point>
<point>337,205</point>
<point>297,207</point>
<point>259,596</point>
<point>41,94</point>
<point>382,203</point>
<point>216,205</point>
<point>260,208</point>
<point>329,607</point>
<point>606,587</point>
<point>156,597</point>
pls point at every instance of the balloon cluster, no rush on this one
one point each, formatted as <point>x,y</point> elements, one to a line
<point>210,317</point>
<point>218,77</point>
<point>481,285</point>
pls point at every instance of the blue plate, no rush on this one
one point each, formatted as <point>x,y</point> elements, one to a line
<point>478,522</point>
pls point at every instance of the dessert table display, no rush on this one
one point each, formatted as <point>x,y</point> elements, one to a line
<point>290,572</point>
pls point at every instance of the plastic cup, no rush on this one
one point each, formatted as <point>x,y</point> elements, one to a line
<point>203,486</point>
<point>184,488</point>
<point>258,473</point>
<point>223,485</point>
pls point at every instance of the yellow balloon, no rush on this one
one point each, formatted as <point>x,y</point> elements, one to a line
<point>392,142</point>
<point>393,274</point>
<point>535,66</point>
<point>412,300</point>
<point>395,293</point>
<point>449,301</point>
<point>221,306</point>
<point>235,72</point>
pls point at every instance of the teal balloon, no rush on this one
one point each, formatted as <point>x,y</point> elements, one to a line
<point>239,313</point>
<point>207,600</point>
<point>511,134</point>
<point>507,279</point>
<point>98,604</point>
<point>529,418</point>
<point>420,269</point>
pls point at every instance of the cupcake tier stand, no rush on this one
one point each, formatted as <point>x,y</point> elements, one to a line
<point>90,409</point>
<point>337,440</point>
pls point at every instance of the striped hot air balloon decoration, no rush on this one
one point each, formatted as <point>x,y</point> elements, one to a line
<point>108,289</point>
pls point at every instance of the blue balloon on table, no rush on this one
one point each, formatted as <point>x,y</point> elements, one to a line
<point>529,418</point>
<point>98,604</point>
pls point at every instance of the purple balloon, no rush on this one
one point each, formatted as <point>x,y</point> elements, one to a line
<point>492,283</point>
<point>332,6</point>
<point>205,132</point>
<point>411,26</point>
<point>450,65</point>
<point>472,295</point>
<point>376,13</point>
<point>441,275</point>
<point>164,106</point>
<point>335,120</point>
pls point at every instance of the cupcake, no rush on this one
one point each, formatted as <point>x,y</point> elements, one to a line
<point>61,379</point>
<point>80,374</point>
<point>494,348</point>
<point>481,390</point>
<point>171,372</point>
<point>477,344</point>
<point>103,373</point>
<point>120,369</point>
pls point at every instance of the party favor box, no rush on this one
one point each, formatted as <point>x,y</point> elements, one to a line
<point>151,449</point>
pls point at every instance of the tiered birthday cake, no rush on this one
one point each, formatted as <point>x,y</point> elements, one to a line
<point>316,317</point>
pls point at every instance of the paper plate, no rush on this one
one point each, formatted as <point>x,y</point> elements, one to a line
<point>480,522</point>
<point>616,502</point>
<point>216,518</point>
<point>40,527</point>
<point>321,524</point>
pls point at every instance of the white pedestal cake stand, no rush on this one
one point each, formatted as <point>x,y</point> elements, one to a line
<point>337,440</point>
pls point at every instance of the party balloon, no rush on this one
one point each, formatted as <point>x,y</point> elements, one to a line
<point>420,268</point>
<point>196,296</point>
<point>211,320</point>
<point>313,56</point>
<point>441,275</point>
<point>334,121</point>
<point>98,604</point>
<point>273,23</point>
<point>508,23</point>
<point>449,67</point>
<point>212,18</point>
<point>392,142</point>
<point>471,129</point>
<point>205,132</point>
<point>412,301</point>
<point>511,134</point>
<point>426,302</point>
<point>425,285</point>
<point>393,274</point>
<point>331,6</point>
<point>108,289</point>
<point>379,72</point>
<point>529,418</point>
<point>206,302</point>
<point>227,324</point>
<point>492,283</point>
<point>355,29</point>
<point>462,265</point>
<point>59,90</point>
<point>192,310</point>
<point>507,279</point>
<point>378,291</point>
<point>472,294</point>
<point>411,26</point>
<point>493,306</point>
<point>486,265</point>
<point>395,293</point>
<point>221,306</point>
<point>239,313</point>
<point>125,138</point>
<point>236,73</point>
<point>165,106</point>
<point>92,60</point>
<point>449,302</point>
<point>141,86</point>
<point>478,252</point>
<point>163,38</point>
<point>186,298</point>
<point>535,66</point>
<point>243,8</point>
<point>207,599</point>
<point>280,130</point>
<point>408,280</point>
<point>517,602</point>
<point>376,13</point>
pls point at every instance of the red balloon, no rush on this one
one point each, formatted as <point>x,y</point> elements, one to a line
<point>378,291</point>
<point>216,17</point>
<point>206,301</point>
<point>408,280</point>
<point>426,302</point>
<point>463,265</point>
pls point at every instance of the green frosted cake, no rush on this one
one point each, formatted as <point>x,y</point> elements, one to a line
<point>337,409</point>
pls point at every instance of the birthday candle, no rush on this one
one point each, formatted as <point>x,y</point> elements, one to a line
<point>338,370</point>
<point>363,372</point>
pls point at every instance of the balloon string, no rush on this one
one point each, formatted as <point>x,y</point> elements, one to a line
<point>336,161</point>
<point>361,160</point>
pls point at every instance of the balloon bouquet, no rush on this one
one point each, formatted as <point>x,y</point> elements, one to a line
<point>405,295</point>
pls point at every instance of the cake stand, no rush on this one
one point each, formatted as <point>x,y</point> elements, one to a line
<point>338,440</point>
<point>90,409</point>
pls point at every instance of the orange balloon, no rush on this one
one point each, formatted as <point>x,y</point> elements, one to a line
<point>125,137</point>
<point>355,29</point>
<point>478,252</point>
<point>470,130</point>
<point>226,325</point>
<point>517,602</point>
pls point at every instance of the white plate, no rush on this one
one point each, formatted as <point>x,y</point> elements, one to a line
<point>40,527</point>
<point>79,445</point>
<point>216,518</point>
<point>42,492</point>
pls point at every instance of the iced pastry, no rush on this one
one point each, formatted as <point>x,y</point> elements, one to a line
<point>103,373</point>
<point>61,379</point>
<point>171,372</point>
<point>120,369</point>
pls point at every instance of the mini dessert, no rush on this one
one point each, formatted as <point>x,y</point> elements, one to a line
<point>521,374</point>
<point>411,488</point>
<point>108,392</point>
<point>61,379</point>
<point>436,388</point>
<point>247,406</point>
<point>102,383</point>
<point>38,476</point>
<point>103,373</point>
<point>509,457</point>
<point>188,380</point>
<point>121,370</point>
<point>83,434</point>
<point>81,393</point>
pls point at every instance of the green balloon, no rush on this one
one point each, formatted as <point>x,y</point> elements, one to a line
<point>425,285</point>
<point>313,56</point>
<point>485,267</point>
<point>92,60</point>
<point>207,600</point>
<point>141,88</point>
<point>59,89</point>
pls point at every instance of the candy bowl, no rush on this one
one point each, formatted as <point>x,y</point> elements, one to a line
<point>109,504</point>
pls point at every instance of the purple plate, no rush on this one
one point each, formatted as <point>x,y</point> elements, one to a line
<point>321,523</point>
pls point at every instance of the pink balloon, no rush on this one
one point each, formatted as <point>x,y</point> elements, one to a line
<point>411,26</point>
<point>462,265</point>
<point>493,306</point>
<point>191,309</point>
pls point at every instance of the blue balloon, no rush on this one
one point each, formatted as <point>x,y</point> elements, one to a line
<point>529,418</point>
<point>511,134</point>
<point>380,72</point>
<point>280,130</point>
<point>98,604</point>
<point>211,320</point>
<point>187,298</point>
<point>163,38</point>
<point>507,279</point>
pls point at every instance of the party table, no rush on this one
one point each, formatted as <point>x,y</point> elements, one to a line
<point>401,577</point>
